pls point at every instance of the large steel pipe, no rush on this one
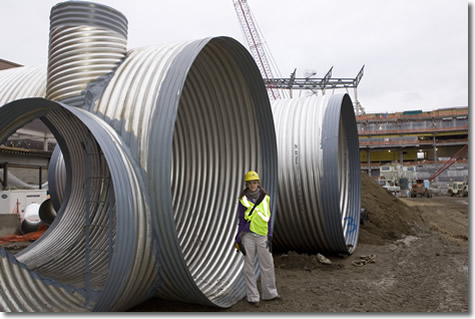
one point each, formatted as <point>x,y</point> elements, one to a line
<point>191,149</point>
<point>191,118</point>
<point>319,175</point>
<point>31,219</point>
<point>87,40</point>
<point>57,178</point>
<point>196,116</point>
<point>47,212</point>
<point>99,252</point>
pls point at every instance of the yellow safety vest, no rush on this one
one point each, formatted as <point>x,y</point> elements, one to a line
<point>260,216</point>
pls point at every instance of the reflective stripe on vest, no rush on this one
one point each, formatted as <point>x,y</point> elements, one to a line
<point>260,217</point>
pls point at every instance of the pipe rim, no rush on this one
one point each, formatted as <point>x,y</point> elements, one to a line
<point>126,199</point>
<point>165,119</point>
<point>340,130</point>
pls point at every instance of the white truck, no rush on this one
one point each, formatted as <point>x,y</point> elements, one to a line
<point>458,188</point>
<point>15,201</point>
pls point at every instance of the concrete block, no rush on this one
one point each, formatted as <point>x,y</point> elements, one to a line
<point>10,224</point>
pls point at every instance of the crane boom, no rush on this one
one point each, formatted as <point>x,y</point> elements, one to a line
<point>255,43</point>
<point>449,163</point>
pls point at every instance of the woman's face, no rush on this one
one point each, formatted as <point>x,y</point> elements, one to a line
<point>252,185</point>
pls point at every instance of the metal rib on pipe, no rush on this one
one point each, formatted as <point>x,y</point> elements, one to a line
<point>89,13</point>
<point>215,81</point>
<point>87,41</point>
<point>196,116</point>
<point>57,272</point>
<point>319,175</point>
<point>22,82</point>
<point>218,126</point>
<point>229,122</point>
<point>57,178</point>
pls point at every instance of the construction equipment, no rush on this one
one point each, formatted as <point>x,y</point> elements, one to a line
<point>458,188</point>
<point>15,201</point>
<point>257,46</point>
<point>390,187</point>
<point>420,189</point>
<point>277,86</point>
<point>320,84</point>
<point>395,178</point>
<point>451,161</point>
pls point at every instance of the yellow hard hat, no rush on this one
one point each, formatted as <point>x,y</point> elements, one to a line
<point>251,176</point>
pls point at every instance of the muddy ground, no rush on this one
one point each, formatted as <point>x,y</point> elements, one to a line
<point>421,264</point>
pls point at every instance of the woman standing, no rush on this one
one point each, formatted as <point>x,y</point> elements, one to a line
<point>255,236</point>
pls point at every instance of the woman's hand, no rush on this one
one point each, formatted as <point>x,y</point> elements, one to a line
<point>269,243</point>
<point>240,248</point>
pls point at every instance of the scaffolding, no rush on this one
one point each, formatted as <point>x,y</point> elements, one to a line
<point>316,85</point>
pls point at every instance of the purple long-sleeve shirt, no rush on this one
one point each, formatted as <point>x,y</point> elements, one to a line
<point>244,225</point>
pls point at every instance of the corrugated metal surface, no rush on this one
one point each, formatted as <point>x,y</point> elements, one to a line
<point>191,119</point>
<point>319,174</point>
<point>86,41</point>
<point>197,117</point>
<point>36,295</point>
<point>104,266</point>
<point>23,290</point>
<point>22,82</point>
<point>220,127</point>
<point>57,178</point>
<point>88,13</point>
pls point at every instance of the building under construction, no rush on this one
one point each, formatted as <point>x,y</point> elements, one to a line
<point>434,142</point>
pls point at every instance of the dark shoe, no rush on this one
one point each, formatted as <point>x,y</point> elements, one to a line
<point>276,298</point>
<point>254,303</point>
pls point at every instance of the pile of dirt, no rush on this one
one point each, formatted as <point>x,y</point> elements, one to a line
<point>389,218</point>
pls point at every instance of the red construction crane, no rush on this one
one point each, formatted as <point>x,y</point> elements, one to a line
<point>255,43</point>
<point>449,162</point>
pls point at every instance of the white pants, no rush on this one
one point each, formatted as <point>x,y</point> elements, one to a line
<point>255,243</point>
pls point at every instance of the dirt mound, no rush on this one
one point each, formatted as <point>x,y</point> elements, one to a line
<point>388,217</point>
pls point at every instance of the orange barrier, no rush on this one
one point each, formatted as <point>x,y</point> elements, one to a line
<point>28,237</point>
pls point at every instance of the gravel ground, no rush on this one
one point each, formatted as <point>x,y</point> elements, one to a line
<point>421,259</point>
<point>421,264</point>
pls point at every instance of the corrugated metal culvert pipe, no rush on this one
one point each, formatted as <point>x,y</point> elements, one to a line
<point>86,41</point>
<point>191,118</point>
<point>319,174</point>
<point>101,238</point>
<point>56,180</point>
<point>196,116</point>
<point>31,219</point>
<point>47,212</point>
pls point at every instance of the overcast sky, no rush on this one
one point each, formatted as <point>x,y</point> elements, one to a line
<point>415,52</point>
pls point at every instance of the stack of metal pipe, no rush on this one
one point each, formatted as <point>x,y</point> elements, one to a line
<point>154,146</point>
<point>155,142</point>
